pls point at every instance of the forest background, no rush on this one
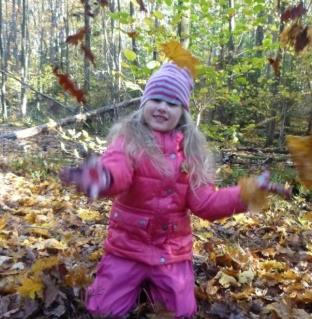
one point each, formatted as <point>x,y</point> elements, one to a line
<point>70,69</point>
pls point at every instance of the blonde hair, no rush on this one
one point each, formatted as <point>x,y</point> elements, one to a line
<point>199,162</point>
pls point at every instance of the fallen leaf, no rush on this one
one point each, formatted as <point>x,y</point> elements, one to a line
<point>31,287</point>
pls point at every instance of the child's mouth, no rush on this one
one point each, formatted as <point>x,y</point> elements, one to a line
<point>160,118</point>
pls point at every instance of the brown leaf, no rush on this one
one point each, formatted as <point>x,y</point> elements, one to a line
<point>300,148</point>
<point>77,37</point>
<point>292,13</point>
<point>88,53</point>
<point>68,85</point>
<point>132,34</point>
<point>103,3</point>
<point>302,40</point>
<point>275,63</point>
<point>142,5</point>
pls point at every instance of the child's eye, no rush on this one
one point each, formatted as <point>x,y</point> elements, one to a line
<point>156,100</point>
<point>172,104</point>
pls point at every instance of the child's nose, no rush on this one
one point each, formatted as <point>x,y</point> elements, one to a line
<point>163,105</point>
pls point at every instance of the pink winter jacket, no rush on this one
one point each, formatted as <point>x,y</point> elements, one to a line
<point>150,216</point>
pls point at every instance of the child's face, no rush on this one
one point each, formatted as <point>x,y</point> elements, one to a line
<point>162,116</point>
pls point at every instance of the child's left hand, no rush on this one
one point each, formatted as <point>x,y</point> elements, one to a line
<point>255,190</point>
<point>91,177</point>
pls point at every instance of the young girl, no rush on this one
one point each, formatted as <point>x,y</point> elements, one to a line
<point>158,170</point>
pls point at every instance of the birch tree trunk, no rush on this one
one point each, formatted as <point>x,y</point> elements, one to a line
<point>86,83</point>
<point>4,110</point>
<point>24,58</point>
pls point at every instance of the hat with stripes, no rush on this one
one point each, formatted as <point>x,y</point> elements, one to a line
<point>170,83</point>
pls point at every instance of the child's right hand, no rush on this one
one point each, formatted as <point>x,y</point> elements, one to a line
<point>91,177</point>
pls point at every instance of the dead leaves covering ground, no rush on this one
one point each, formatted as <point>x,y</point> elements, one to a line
<point>246,266</point>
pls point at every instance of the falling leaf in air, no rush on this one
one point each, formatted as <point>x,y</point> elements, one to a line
<point>103,3</point>
<point>68,85</point>
<point>275,63</point>
<point>300,148</point>
<point>77,37</point>
<point>142,5</point>
<point>302,40</point>
<point>294,12</point>
<point>88,53</point>
<point>132,34</point>
<point>297,36</point>
<point>182,57</point>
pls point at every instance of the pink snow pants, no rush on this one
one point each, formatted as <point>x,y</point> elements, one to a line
<point>115,290</point>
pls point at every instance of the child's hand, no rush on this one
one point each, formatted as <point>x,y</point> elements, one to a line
<point>255,191</point>
<point>91,177</point>
<point>264,183</point>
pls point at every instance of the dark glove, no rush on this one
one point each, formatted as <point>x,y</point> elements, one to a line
<point>91,177</point>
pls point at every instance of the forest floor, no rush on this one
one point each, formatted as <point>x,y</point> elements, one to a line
<point>255,266</point>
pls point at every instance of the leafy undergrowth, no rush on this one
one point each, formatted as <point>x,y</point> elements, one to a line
<point>247,266</point>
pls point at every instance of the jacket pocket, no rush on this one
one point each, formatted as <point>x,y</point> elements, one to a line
<point>133,224</point>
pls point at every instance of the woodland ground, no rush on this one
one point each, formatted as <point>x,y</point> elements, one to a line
<point>248,266</point>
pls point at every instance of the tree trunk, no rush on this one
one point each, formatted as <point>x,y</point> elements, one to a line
<point>24,58</point>
<point>4,110</point>
<point>184,26</point>
<point>87,43</point>
<point>133,40</point>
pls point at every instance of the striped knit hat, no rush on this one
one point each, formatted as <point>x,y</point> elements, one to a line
<point>171,84</point>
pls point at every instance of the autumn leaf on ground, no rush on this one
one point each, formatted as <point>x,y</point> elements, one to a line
<point>275,63</point>
<point>31,287</point>
<point>77,37</point>
<point>45,263</point>
<point>182,57</point>
<point>292,13</point>
<point>78,277</point>
<point>300,148</point>
<point>68,85</point>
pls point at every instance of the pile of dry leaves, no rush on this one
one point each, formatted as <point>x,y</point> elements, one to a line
<point>246,266</point>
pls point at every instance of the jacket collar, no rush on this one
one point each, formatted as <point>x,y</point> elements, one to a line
<point>169,142</point>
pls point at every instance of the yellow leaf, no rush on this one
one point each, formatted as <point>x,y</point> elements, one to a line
<point>182,57</point>
<point>226,281</point>
<point>78,277</point>
<point>307,216</point>
<point>300,148</point>
<point>31,217</point>
<point>96,255</point>
<point>3,222</point>
<point>88,215</point>
<point>45,263</point>
<point>31,287</point>
<point>246,277</point>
